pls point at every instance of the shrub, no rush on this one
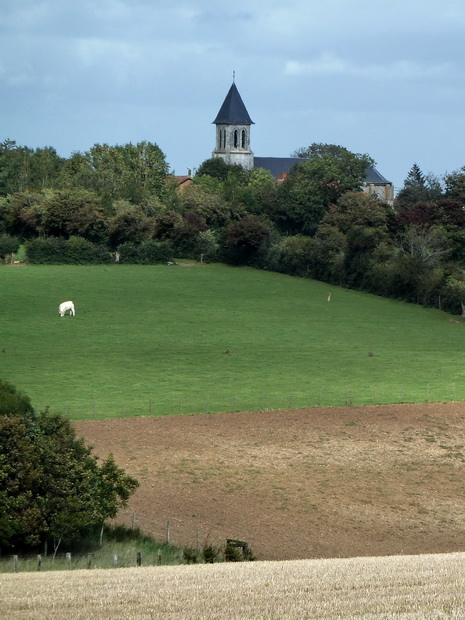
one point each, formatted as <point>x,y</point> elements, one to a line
<point>46,251</point>
<point>147,253</point>
<point>291,255</point>
<point>8,245</point>
<point>210,554</point>
<point>12,402</point>
<point>191,556</point>
<point>58,251</point>
<point>246,239</point>
<point>198,246</point>
<point>208,245</point>
<point>232,553</point>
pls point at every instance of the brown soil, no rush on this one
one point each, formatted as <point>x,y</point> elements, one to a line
<point>326,482</point>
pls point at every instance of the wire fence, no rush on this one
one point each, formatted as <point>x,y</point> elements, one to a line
<point>174,542</point>
<point>77,561</point>
<point>184,404</point>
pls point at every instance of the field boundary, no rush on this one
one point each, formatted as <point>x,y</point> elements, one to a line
<point>198,404</point>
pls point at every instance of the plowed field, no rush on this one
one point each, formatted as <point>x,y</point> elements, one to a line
<point>308,483</point>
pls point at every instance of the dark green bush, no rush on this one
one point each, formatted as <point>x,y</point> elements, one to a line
<point>46,251</point>
<point>146,253</point>
<point>58,251</point>
<point>291,255</point>
<point>12,402</point>
<point>8,245</point>
<point>232,554</point>
<point>210,554</point>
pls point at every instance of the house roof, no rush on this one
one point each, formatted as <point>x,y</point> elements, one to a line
<point>281,166</point>
<point>183,180</point>
<point>233,110</point>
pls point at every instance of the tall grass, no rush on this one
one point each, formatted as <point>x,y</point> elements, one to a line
<point>396,587</point>
<point>118,547</point>
<point>156,340</point>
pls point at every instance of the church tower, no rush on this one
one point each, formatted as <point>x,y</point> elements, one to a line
<point>233,131</point>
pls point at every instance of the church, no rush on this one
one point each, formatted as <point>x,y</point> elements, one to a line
<point>233,145</point>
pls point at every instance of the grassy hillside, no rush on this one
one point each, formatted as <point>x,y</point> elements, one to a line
<point>179,339</point>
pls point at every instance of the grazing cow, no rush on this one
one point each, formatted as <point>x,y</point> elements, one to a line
<point>66,306</point>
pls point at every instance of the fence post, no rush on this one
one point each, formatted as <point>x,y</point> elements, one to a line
<point>15,563</point>
<point>89,560</point>
<point>139,559</point>
<point>115,560</point>
<point>133,523</point>
<point>39,562</point>
<point>159,557</point>
<point>168,532</point>
<point>68,560</point>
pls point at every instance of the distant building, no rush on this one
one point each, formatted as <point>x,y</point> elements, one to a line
<point>233,125</point>
<point>233,131</point>
<point>184,181</point>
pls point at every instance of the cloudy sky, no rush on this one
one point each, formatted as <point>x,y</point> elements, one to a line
<point>383,77</point>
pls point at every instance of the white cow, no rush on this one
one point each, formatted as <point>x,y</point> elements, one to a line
<point>66,306</point>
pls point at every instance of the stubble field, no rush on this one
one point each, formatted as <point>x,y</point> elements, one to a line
<point>406,587</point>
<point>294,484</point>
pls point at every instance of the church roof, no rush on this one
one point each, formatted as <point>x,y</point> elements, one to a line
<point>374,177</point>
<point>233,110</point>
<point>278,166</point>
<point>281,166</point>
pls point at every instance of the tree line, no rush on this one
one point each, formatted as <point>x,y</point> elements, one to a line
<point>316,223</point>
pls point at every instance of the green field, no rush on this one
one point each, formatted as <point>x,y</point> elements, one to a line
<point>157,340</point>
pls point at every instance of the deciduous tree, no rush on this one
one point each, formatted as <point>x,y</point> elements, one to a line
<point>51,485</point>
<point>244,239</point>
<point>312,186</point>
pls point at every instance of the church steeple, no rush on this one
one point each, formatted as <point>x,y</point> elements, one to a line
<point>233,131</point>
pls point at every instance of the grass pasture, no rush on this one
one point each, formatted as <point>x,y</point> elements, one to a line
<point>383,588</point>
<point>156,340</point>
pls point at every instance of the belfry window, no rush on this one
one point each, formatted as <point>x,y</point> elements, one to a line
<point>243,139</point>
<point>236,138</point>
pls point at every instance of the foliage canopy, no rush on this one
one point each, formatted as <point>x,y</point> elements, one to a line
<point>51,486</point>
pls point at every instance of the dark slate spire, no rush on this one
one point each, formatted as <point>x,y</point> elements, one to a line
<point>233,110</point>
